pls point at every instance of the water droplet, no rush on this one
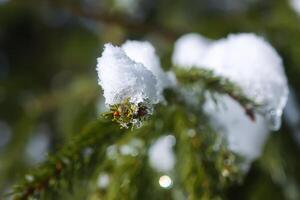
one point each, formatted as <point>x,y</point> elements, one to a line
<point>165,181</point>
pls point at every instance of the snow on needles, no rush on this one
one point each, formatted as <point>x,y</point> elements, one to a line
<point>143,52</point>
<point>132,71</point>
<point>295,4</point>
<point>121,78</point>
<point>243,136</point>
<point>161,155</point>
<point>254,65</point>
<point>189,50</point>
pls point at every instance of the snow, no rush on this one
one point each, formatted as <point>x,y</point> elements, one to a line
<point>103,180</point>
<point>38,145</point>
<point>243,136</point>
<point>189,50</point>
<point>254,65</point>
<point>161,155</point>
<point>295,4</point>
<point>144,52</point>
<point>240,57</point>
<point>122,77</point>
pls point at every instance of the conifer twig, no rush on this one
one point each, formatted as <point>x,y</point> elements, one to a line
<point>77,158</point>
<point>217,84</point>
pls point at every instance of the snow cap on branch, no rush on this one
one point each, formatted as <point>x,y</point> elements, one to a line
<point>189,50</point>
<point>247,60</point>
<point>244,136</point>
<point>143,52</point>
<point>254,65</point>
<point>122,78</point>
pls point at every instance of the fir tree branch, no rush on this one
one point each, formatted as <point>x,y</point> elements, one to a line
<point>126,169</point>
<point>131,177</point>
<point>78,158</point>
<point>204,165</point>
<point>81,157</point>
<point>216,84</point>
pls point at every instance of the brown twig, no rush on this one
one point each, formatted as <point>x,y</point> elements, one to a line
<point>124,21</point>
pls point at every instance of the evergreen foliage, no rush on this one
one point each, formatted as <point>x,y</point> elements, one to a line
<point>48,86</point>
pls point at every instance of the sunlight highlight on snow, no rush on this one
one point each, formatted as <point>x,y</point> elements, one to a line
<point>165,181</point>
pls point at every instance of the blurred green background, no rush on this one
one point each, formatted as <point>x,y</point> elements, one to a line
<point>48,82</point>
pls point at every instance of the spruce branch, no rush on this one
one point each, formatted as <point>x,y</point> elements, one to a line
<point>126,169</point>
<point>83,155</point>
<point>216,84</point>
<point>202,166</point>
<point>205,166</point>
<point>129,115</point>
<point>78,158</point>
